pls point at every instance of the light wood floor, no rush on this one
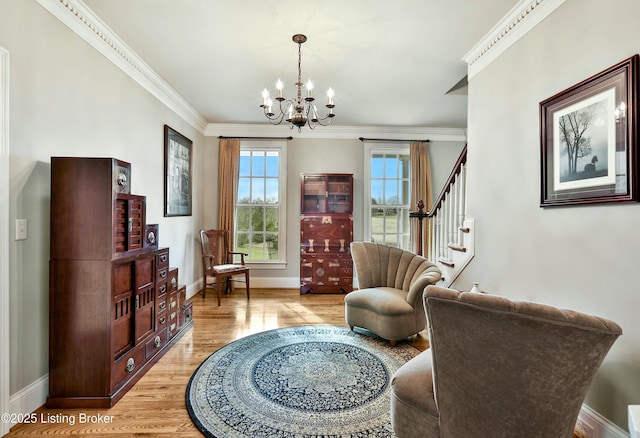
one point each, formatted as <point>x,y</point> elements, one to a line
<point>155,407</point>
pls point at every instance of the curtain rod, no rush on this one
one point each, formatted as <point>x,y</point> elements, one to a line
<point>257,138</point>
<point>389,139</point>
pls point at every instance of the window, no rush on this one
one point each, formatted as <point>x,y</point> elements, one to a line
<point>387,212</point>
<point>260,206</point>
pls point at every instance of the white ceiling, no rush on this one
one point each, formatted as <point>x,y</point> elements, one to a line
<point>389,62</point>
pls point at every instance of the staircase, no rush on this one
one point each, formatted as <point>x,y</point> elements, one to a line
<point>449,233</point>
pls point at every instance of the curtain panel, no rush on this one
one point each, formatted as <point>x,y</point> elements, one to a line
<point>228,173</point>
<point>420,189</point>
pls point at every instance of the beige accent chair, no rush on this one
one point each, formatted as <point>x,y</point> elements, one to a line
<point>391,282</point>
<point>498,368</point>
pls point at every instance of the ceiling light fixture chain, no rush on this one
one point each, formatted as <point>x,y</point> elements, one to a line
<point>297,111</point>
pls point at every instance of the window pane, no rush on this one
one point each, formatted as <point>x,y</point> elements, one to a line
<point>257,163</point>
<point>243,215</point>
<point>271,218</point>
<point>377,166</point>
<point>377,193</point>
<point>391,192</point>
<point>244,191</point>
<point>257,219</point>
<point>257,246</point>
<point>391,167</point>
<point>242,242</point>
<point>245,163</point>
<point>391,221</point>
<point>271,246</point>
<point>272,191</point>
<point>257,190</point>
<point>273,163</point>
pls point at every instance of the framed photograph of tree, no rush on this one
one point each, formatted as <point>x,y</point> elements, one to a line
<point>177,173</point>
<point>588,140</point>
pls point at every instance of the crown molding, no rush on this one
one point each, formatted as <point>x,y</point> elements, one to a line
<point>84,22</point>
<point>336,132</point>
<point>519,20</point>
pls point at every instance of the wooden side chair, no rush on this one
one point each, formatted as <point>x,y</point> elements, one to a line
<point>218,262</point>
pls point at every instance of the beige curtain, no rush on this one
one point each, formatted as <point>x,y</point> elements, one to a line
<point>228,170</point>
<point>420,188</point>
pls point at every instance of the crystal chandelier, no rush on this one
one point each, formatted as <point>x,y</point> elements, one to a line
<point>297,111</point>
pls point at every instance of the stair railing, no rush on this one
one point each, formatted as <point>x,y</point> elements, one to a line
<point>444,227</point>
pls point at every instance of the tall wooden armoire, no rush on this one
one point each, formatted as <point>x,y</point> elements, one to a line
<point>115,304</point>
<point>326,231</point>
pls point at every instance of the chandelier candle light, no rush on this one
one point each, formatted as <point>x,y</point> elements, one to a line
<point>299,111</point>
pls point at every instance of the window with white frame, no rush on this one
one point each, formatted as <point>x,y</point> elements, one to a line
<point>387,203</point>
<point>260,206</point>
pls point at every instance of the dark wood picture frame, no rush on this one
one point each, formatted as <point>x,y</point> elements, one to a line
<point>177,173</point>
<point>588,140</point>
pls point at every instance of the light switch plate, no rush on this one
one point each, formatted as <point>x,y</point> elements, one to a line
<point>21,229</point>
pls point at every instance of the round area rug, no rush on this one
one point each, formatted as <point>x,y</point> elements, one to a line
<point>297,382</point>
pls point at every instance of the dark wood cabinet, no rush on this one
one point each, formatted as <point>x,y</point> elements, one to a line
<point>108,288</point>
<point>326,232</point>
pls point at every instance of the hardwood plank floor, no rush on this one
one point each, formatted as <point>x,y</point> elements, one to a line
<point>155,407</point>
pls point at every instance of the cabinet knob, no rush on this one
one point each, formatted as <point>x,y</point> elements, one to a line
<point>131,364</point>
<point>174,282</point>
<point>157,341</point>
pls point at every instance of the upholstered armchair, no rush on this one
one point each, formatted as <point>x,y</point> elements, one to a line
<point>498,368</point>
<point>389,299</point>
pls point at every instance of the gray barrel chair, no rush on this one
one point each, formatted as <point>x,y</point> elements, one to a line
<point>498,368</point>
<point>391,281</point>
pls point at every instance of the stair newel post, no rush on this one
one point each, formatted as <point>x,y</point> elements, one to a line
<point>419,215</point>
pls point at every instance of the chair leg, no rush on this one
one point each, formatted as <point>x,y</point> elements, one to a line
<point>204,286</point>
<point>219,288</point>
<point>246,279</point>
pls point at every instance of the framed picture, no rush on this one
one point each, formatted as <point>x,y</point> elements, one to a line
<point>177,173</point>
<point>588,140</point>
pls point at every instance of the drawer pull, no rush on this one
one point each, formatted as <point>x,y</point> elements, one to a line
<point>163,289</point>
<point>131,364</point>
<point>172,304</point>
<point>162,320</point>
<point>163,258</point>
<point>174,282</point>
<point>157,341</point>
<point>163,273</point>
<point>172,316</point>
<point>162,305</point>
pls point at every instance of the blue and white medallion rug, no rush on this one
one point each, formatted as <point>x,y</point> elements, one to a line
<point>298,382</point>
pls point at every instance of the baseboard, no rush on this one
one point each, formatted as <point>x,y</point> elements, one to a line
<point>30,398</point>
<point>602,428</point>
<point>276,282</point>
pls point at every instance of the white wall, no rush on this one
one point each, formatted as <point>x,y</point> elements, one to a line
<point>582,258</point>
<point>67,99</point>
<point>307,155</point>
